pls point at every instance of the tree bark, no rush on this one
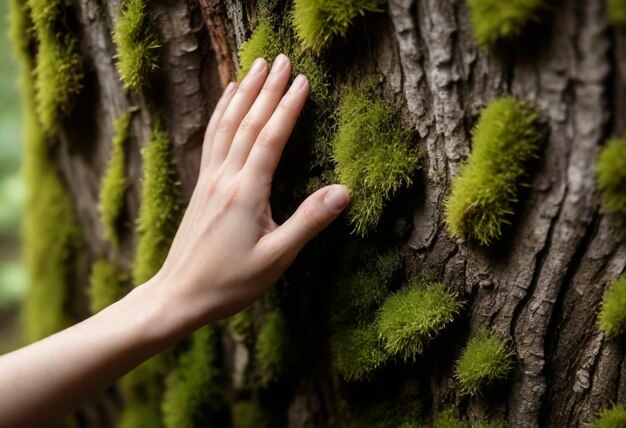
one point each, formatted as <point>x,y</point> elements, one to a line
<point>540,285</point>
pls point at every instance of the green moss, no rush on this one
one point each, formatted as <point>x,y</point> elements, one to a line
<point>52,238</point>
<point>268,40</point>
<point>614,417</point>
<point>192,388</point>
<point>485,192</point>
<point>612,318</point>
<point>389,414</point>
<point>142,390</point>
<point>357,352</point>
<point>448,418</point>
<point>317,22</point>
<point>271,347</point>
<point>616,11</point>
<point>114,182</point>
<point>248,414</point>
<point>106,284</point>
<point>363,282</point>
<point>58,70</point>
<point>241,323</point>
<point>160,210</point>
<point>373,155</point>
<point>487,359</point>
<point>611,176</point>
<point>137,44</point>
<point>495,21</point>
<point>409,319</point>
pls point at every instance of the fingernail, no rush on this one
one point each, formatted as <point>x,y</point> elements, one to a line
<point>298,83</point>
<point>337,199</point>
<point>229,88</point>
<point>279,63</point>
<point>257,66</point>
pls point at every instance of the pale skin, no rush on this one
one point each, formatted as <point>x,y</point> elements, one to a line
<point>227,252</point>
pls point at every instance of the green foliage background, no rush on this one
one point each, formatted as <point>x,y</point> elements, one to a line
<point>13,280</point>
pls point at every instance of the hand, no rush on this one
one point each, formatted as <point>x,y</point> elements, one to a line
<point>228,250</point>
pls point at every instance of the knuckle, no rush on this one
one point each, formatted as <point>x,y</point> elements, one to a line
<point>250,125</point>
<point>226,125</point>
<point>312,218</point>
<point>266,139</point>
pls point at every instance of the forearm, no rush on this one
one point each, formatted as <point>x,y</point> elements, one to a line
<point>41,383</point>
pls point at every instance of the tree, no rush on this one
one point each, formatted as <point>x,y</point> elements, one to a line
<point>464,285</point>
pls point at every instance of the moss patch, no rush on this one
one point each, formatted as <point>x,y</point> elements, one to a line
<point>485,192</point>
<point>271,347</point>
<point>495,21</point>
<point>373,155</point>
<point>192,388</point>
<point>160,209</point>
<point>448,418</point>
<point>409,319</point>
<point>611,177</point>
<point>487,359</point>
<point>115,182</point>
<point>357,352</point>
<point>363,282</point>
<point>317,22</point>
<point>52,238</point>
<point>106,284</point>
<point>248,414</point>
<point>58,70</point>
<point>612,318</point>
<point>616,11</point>
<point>614,417</point>
<point>137,44</point>
<point>142,390</point>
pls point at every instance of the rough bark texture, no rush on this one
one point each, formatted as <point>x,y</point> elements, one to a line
<point>541,285</point>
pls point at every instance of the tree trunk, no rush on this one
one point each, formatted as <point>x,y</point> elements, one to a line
<point>540,286</point>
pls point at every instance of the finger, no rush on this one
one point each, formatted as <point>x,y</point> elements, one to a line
<point>260,112</point>
<point>313,216</point>
<point>238,107</point>
<point>269,146</point>
<point>209,134</point>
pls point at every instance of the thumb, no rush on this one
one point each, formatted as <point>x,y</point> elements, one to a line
<point>311,217</point>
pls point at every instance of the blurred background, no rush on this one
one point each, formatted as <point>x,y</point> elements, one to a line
<point>13,280</point>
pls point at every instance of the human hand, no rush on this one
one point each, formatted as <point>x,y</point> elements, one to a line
<point>228,250</point>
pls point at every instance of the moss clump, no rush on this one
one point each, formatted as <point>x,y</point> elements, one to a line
<point>160,209</point>
<point>106,284</point>
<point>58,70</point>
<point>363,282</point>
<point>373,155</point>
<point>241,323</point>
<point>357,352</point>
<point>611,176</point>
<point>52,238</point>
<point>496,21</point>
<point>248,414</point>
<point>142,390</point>
<point>317,22</point>
<point>137,44</point>
<point>448,418</point>
<point>486,359</point>
<point>192,388</point>
<point>271,347</point>
<point>614,417</point>
<point>268,40</point>
<point>390,414</point>
<point>612,318</point>
<point>115,182</point>
<point>409,319</point>
<point>505,139</point>
<point>616,11</point>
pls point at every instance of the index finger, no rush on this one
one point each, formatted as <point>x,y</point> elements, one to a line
<point>268,148</point>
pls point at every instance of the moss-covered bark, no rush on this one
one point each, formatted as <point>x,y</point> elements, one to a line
<point>393,328</point>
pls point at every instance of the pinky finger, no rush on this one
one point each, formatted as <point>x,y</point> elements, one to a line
<point>211,128</point>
